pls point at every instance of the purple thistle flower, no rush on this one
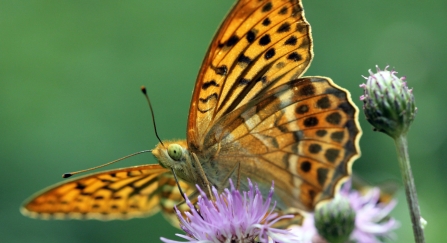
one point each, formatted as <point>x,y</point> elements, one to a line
<point>372,217</point>
<point>372,221</point>
<point>233,217</point>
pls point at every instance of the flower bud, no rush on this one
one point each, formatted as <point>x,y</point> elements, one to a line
<point>335,220</point>
<point>388,104</point>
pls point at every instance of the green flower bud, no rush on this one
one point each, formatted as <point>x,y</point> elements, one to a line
<point>388,104</point>
<point>335,220</point>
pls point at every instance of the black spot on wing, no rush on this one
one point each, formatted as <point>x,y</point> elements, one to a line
<point>321,133</point>
<point>208,84</point>
<point>232,41</point>
<point>307,90</point>
<point>332,154</point>
<point>322,175</point>
<point>251,36</point>
<point>314,148</point>
<point>302,109</point>
<point>306,166</point>
<point>265,40</point>
<point>337,136</point>
<point>269,54</point>
<point>292,40</point>
<point>294,57</point>
<point>310,121</point>
<point>222,70</point>
<point>283,10</point>
<point>243,59</point>
<point>244,81</point>
<point>208,98</point>
<point>266,22</point>
<point>324,103</point>
<point>334,118</point>
<point>80,186</point>
<point>267,7</point>
<point>285,27</point>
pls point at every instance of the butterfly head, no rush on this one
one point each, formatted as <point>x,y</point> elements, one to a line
<point>174,155</point>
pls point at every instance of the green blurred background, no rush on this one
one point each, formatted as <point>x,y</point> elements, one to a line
<point>70,73</point>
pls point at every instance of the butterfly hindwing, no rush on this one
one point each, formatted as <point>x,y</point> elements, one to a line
<point>115,194</point>
<point>302,134</point>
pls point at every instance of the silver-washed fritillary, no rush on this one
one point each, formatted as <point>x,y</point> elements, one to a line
<point>251,115</point>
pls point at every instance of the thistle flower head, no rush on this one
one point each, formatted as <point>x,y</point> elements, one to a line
<point>232,217</point>
<point>335,220</point>
<point>388,104</point>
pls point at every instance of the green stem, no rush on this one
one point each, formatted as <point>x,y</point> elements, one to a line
<point>410,188</point>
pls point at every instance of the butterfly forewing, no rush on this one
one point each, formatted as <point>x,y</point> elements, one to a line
<point>260,44</point>
<point>116,194</point>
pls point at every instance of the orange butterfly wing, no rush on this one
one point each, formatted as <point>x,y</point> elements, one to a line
<point>303,135</point>
<point>252,116</point>
<point>260,45</point>
<point>138,191</point>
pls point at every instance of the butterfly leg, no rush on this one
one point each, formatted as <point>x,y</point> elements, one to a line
<point>202,175</point>
<point>238,175</point>
<point>218,149</point>
<point>236,168</point>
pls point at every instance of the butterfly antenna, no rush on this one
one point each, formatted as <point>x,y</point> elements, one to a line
<point>143,89</point>
<point>66,175</point>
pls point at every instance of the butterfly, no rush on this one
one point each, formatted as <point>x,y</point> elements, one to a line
<point>252,115</point>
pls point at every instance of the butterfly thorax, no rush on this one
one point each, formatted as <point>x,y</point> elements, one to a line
<point>212,167</point>
<point>176,156</point>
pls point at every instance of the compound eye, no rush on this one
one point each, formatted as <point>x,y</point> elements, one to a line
<point>175,151</point>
